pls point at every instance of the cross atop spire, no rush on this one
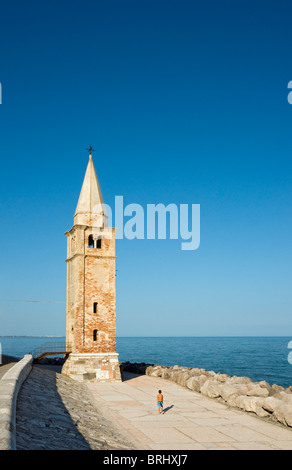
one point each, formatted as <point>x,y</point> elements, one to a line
<point>90,150</point>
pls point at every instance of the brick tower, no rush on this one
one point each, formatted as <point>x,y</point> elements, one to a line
<point>91,291</point>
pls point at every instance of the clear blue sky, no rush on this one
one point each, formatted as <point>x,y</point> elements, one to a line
<point>184,102</point>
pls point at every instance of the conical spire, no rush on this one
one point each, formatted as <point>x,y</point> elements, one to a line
<point>90,203</point>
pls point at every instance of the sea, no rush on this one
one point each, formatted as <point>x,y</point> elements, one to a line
<point>260,358</point>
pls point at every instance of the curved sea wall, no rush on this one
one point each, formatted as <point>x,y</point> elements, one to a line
<point>10,385</point>
<point>240,392</point>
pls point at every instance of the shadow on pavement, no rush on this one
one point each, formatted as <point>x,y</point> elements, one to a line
<point>129,376</point>
<point>43,422</point>
<point>165,410</point>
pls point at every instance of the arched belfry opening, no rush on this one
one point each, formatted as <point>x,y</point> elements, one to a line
<point>94,241</point>
<point>90,242</point>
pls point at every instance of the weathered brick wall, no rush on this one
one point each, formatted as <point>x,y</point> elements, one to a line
<point>91,278</point>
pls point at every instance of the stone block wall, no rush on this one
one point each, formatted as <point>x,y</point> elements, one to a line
<point>93,367</point>
<point>10,385</point>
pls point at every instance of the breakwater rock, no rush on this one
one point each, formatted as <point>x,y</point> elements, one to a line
<point>261,398</point>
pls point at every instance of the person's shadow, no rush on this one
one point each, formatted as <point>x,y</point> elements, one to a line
<point>168,408</point>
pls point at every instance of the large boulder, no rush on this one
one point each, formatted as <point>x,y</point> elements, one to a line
<point>239,380</point>
<point>156,372</point>
<point>165,373</point>
<point>148,370</point>
<point>182,378</point>
<point>195,383</point>
<point>211,388</point>
<point>271,403</point>
<point>231,399</point>
<point>277,388</point>
<point>252,404</point>
<point>232,389</point>
<point>195,371</point>
<point>288,415</point>
<point>258,390</point>
<point>284,397</point>
<point>283,413</point>
<point>222,377</point>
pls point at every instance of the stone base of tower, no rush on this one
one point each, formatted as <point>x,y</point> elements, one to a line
<point>95,367</point>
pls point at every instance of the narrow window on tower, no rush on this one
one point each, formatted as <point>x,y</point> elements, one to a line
<point>98,242</point>
<point>90,242</point>
<point>95,335</point>
<point>95,305</point>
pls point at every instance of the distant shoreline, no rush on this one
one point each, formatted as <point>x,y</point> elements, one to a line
<point>32,336</point>
<point>166,337</point>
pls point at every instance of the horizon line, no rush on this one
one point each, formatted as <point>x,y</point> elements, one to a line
<point>170,336</point>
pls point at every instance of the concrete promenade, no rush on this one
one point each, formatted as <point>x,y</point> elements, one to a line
<point>7,363</point>
<point>191,420</point>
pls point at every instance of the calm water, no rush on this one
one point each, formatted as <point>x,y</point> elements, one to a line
<point>260,358</point>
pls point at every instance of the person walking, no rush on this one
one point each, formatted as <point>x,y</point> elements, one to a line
<point>160,402</point>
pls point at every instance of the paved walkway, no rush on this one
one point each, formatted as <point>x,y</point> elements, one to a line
<point>6,364</point>
<point>191,420</point>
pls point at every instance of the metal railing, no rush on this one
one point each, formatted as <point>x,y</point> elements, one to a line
<point>52,349</point>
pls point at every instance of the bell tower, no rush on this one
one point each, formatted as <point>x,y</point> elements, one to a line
<point>91,291</point>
